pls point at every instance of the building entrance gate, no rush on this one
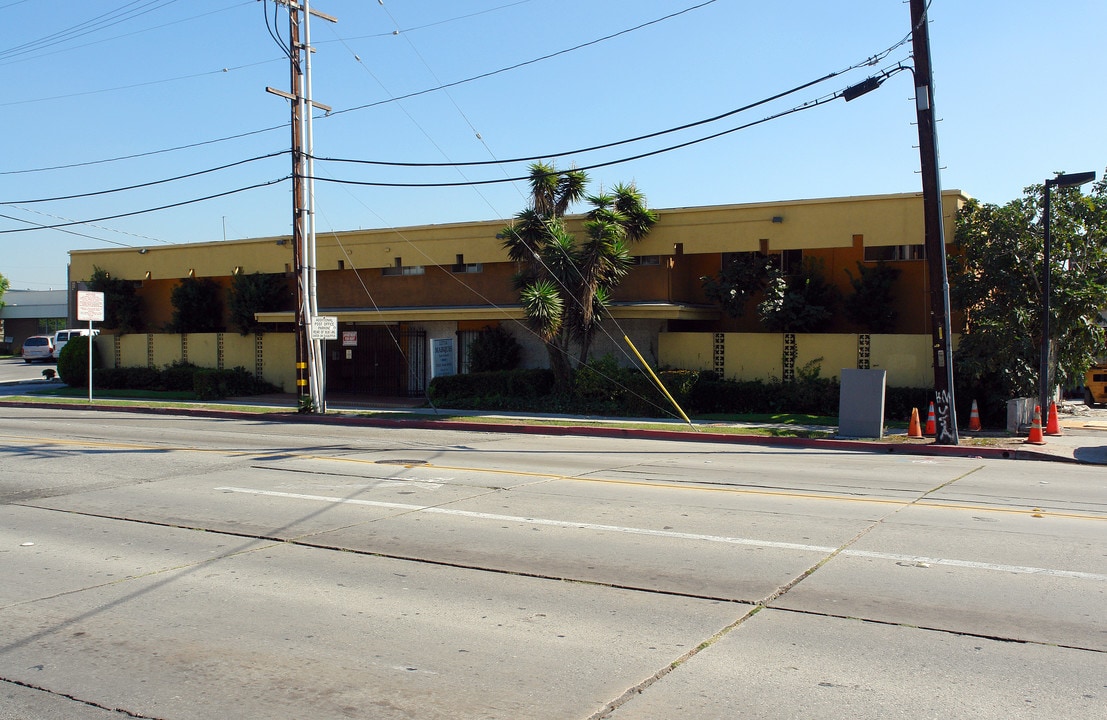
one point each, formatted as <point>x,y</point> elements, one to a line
<point>377,361</point>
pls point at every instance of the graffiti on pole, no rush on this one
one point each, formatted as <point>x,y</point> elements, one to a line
<point>944,433</point>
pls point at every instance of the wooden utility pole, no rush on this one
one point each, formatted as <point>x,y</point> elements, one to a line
<point>296,90</point>
<point>944,408</point>
<point>309,360</point>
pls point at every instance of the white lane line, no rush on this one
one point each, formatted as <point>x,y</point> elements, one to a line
<point>750,542</point>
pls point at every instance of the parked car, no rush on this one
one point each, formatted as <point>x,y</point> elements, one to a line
<point>61,337</point>
<point>38,347</point>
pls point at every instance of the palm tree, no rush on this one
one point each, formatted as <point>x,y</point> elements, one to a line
<point>564,288</point>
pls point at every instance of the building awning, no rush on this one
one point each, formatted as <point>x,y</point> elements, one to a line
<point>391,316</point>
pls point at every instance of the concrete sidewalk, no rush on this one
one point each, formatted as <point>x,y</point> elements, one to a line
<point>1083,439</point>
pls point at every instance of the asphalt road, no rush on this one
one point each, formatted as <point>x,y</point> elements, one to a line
<point>196,568</point>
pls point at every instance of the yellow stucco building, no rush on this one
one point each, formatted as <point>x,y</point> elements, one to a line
<point>395,291</point>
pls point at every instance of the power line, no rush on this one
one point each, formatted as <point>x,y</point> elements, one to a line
<point>119,37</point>
<point>146,184</point>
<point>100,22</point>
<point>805,106</point>
<point>135,85</point>
<point>529,62</point>
<point>401,31</point>
<point>593,148</point>
<point>69,232</point>
<point>361,107</point>
<point>146,154</point>
<point>150,210</point>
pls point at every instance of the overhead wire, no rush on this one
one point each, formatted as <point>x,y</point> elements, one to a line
<point>516,66</point>
<point>100,22</point>
<point>67,231</point>
<point>362,107</point>
<point>401,31</point>
<point>146,154</point>
<point>150,210</point>
<point>123,35</point>
<point>133,86</point>
<point>152,183</point>
<point>271,28</point>
<point>592,166</point>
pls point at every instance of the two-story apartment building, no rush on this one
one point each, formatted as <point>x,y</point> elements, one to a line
<point>396,290</point>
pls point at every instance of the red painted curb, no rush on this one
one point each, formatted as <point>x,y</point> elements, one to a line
<point>868,446</point>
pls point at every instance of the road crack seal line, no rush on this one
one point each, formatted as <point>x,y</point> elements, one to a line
<point>76,699</point>
<point>760,605</point>
<point>844,547</point>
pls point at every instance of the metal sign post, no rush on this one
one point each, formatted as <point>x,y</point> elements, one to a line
<point>90,306</point>
<point>323,328</point>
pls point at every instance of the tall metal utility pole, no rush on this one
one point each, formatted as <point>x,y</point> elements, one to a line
<point>945,411</point>
<point>295,85</point>
<point>309,360</point>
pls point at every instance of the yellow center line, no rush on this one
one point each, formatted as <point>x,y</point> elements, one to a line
<point>1033,512</point>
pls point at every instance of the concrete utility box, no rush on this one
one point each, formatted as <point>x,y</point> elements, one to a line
<point>861,405</point>
<point>1020,414</point>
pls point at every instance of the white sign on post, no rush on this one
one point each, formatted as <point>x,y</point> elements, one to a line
<point>324,327</point>
<point>90,306</point>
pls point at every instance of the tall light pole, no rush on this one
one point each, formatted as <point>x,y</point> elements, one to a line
<point>1062,181</point>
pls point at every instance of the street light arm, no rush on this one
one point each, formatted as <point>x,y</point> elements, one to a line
<point>1064,180</point>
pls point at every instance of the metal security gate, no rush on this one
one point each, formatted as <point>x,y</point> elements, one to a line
<point>377,362</point>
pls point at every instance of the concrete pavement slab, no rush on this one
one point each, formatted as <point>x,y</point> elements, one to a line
<point>45,553</point>
<point>18,702</point>
<point>780,666</point>
<point>1018,578</point>
<point>292,632</point>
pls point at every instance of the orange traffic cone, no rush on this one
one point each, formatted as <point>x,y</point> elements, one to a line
<point>913,429</point>
<point>931,428</point>
<point>1036,428</point>
<point>1053,426</point>
<point>974,418</point>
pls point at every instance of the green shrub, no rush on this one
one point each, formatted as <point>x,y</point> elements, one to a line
<point>208,384</point>
<point>73,361</point>
<point>600,379</point>
<point>494,349</point>
<point>515,384</point>
<point>177,377</point>
<point>204,383</point>
<point>127,378</point>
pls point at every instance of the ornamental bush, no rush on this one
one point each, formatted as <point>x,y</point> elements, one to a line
<point>73,361</point>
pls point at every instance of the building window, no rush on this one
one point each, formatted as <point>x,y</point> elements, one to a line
<point>648,260</point>
<point>49,326</point>
<point>398,268</point>
<point>790,261</point>
<point>463,267</point>
<point>894,252</point>
<point>465,340</point>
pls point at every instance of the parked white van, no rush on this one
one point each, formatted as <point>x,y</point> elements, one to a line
<point>61,337</point>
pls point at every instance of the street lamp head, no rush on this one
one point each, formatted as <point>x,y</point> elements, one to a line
<point>1070,179</point>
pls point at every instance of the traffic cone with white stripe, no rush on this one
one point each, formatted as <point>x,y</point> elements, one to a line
<point>974,418</point>
<point>931,425</point>
<point>1035,437</point>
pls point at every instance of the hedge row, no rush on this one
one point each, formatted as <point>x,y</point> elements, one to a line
<point>204,383</point>
<point>601,388</point>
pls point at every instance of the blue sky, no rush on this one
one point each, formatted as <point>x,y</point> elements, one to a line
<point>92,82</point>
